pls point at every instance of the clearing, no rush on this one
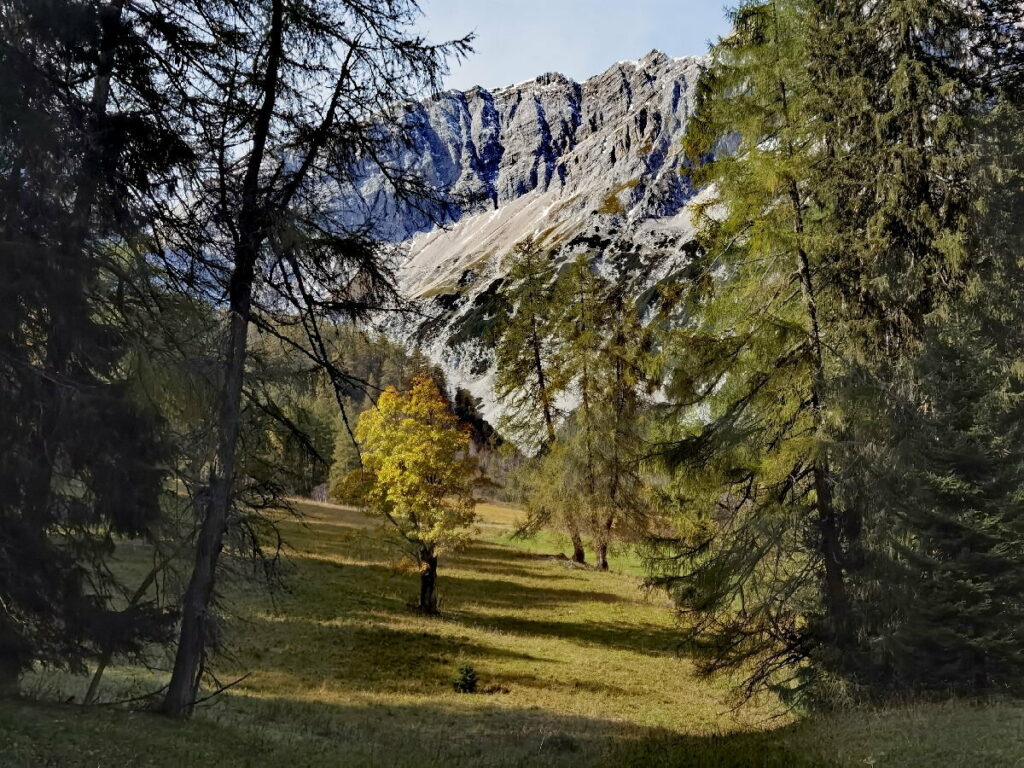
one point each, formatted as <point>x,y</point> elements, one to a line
<point>576,668</point>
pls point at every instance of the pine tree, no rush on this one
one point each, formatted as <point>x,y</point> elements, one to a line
<point>762,567</point>
<point>528,381</point>
<point>86,140</point>
<point>530,378</point>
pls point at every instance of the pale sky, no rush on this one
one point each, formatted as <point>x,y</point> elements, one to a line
<point>520,39</point>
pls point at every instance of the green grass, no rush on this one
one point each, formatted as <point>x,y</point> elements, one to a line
<point>576,668</point>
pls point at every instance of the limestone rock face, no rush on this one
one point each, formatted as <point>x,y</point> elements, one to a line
<point>591,167</point>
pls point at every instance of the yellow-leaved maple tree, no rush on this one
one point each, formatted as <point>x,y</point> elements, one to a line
<point>418,476</point>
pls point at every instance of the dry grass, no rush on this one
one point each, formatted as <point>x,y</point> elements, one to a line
<point>576,668</point>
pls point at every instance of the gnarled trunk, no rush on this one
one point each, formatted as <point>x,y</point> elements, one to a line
<point>428,581</point>
<point>579,554</point>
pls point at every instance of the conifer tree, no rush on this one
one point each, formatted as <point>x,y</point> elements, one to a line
<point>603,351</point>
<point>751,370</point>
<point>842,467</point>
<point>293,97</point>
<point>939,590</point>
<point>528,380</point>
<point>903,92</point>
<point>86,140</point>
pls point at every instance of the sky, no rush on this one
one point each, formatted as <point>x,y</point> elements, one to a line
<point>517,40</point>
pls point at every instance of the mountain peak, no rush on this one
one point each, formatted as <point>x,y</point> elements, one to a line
<point>591,168</point>
<point>655,57</point>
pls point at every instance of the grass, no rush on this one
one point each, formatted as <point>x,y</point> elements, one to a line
<point>612,204</point>
<point>575,668</point>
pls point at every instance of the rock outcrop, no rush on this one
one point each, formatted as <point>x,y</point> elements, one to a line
<point>591,167</point>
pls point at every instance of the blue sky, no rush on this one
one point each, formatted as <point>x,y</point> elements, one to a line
<point>520,39</point>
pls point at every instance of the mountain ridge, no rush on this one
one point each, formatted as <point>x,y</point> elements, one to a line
<point>593,167</point>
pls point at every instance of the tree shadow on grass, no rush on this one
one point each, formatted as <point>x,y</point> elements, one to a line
<point>496,593</point>
<point>328,590</point>
<point>620,635</point>
<point>302,653</point>
<point>496,569</point>
<point>349,578</point>
<point>464,731</point>
<point>238,730</point>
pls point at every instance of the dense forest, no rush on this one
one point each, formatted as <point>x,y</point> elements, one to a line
<point>805,447</point>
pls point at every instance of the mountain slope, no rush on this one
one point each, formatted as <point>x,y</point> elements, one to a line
<point>589,167</point>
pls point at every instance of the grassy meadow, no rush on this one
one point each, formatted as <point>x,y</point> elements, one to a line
<point>575,668</point>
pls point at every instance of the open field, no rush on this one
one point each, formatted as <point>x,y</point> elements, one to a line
<point>576,668</point>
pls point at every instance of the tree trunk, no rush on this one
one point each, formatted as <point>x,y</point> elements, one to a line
<point>542,385</point>
<point>602,556</point>
<point>252,222</point>
<point>579,554</point>
<point>428,581</point>
<point>196,604</point>
<point>198,596</point>
<point>602,547</point>
<point>10,675</point>
<point>836,598</point>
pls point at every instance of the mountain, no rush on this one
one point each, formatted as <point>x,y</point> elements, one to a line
<point>589,167</point>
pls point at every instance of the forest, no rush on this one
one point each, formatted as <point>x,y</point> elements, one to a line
<point>764,508</point>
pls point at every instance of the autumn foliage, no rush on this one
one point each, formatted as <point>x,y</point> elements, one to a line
<point>417,475</point>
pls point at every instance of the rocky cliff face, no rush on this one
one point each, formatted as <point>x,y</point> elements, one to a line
<point>589,167</point>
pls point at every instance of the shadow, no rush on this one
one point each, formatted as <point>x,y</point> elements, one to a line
<point>625,636</point>
<point>478,564</point>
<point>328,590</point>
<point>456,732</point>
<point>302,653</point>
<point>510,594</point>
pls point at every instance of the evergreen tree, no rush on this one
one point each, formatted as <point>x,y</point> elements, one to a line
<point>939,589</point>
<point>903,93</point>
<point>86,140</point>
<point>528,381</point>
<point>613,423</point>
<point>751,372</point>
<point>845,478</point>
<point>530,378</point>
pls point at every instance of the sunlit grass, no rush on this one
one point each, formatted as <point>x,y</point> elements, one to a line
<point>576,667</point>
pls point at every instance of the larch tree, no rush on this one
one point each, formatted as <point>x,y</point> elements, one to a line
<point>597,475</point>
<point>295,95</point>
<point>528,381</point>
<point>417,475</point>
<point>616,425</point>
<point>751,371</point>
<point>530,376</point>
